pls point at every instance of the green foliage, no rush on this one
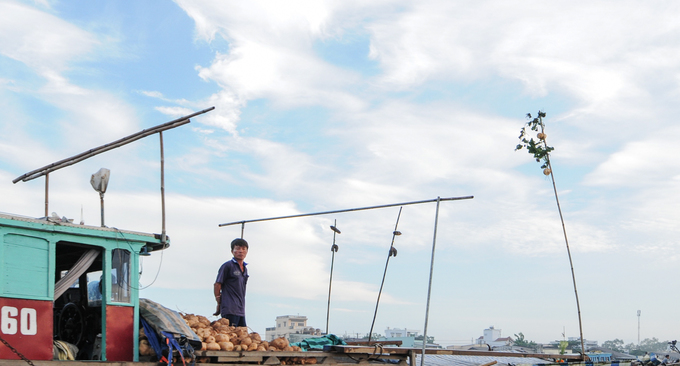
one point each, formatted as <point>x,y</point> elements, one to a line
<point>538,148</point>
<point>574,346</point>
<point>563,347</point>
<point>648,345</point>
<point>520,341</point>
<point>632,349</point>
<point>430,339</point>
<point>374,336</point>
<point>615,345</point>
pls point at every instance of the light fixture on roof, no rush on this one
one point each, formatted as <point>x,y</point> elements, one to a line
<point>99,181</point>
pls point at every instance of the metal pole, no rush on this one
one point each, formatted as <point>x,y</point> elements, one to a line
<point>349,210</point>
<point>395,233</point>
<point>334,248</point>
<point>101,202</point>
<point>429,286</point>
<point>47,194</point>
<point>163,235</point>
<point>638,312</point>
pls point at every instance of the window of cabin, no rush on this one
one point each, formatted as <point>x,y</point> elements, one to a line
<point>120,276</point>
<point>94,288</point>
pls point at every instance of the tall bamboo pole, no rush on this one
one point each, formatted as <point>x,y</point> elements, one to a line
<point>566,240</point>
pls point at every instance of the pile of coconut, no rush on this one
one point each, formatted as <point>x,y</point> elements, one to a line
<point>220,336</point>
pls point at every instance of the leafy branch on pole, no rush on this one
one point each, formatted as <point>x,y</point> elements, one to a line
<point>541,152</point>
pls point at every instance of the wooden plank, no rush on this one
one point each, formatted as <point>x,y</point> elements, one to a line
<point>433,351</point>
<point>240,359</point>
<point>366,343</point>
<point>262,354</point>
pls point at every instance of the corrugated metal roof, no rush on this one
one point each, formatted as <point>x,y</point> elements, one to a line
<point>58,222</point>
<point>458,360</point>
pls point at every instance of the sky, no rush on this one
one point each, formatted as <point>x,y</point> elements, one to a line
<point>329,105</point>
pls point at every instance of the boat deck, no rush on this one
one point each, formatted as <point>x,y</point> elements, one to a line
<point>332,355</point>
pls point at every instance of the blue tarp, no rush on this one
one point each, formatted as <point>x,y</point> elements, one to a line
<point>317,343</point>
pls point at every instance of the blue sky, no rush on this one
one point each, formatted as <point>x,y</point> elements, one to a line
<point>325,105</point>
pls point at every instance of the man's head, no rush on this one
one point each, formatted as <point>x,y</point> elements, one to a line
<point>238,242</point>
<point>239,249</point>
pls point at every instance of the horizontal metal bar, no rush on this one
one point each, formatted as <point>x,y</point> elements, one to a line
<point>348,210</point>
<point>112,145</point>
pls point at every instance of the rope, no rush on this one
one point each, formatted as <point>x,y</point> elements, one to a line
<point>377,347</point>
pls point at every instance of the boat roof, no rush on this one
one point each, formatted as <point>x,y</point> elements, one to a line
<point>57,224</point>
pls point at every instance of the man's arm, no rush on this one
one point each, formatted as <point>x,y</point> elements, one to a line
<point>217,289</point>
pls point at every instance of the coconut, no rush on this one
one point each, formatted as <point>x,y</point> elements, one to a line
<point>547,171</point>
<point>212,346</point>
<point>279,343</point>
<point>204,320</point>
<point>145,348</point>
<point>226,346</point>
<point>221,338</point>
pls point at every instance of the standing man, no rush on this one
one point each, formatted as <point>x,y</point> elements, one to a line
<point>230,285</point>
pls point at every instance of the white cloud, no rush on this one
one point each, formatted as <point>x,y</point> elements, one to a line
<point>647,162</point>
<point>49,45</point>
<point>607,61</point>
<point>270,56</point>
<point>42,41</point>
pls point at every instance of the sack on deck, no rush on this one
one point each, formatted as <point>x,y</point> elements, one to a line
<point>167,332</point>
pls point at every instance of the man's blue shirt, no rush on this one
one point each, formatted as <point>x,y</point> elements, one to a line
<point>233,287</point>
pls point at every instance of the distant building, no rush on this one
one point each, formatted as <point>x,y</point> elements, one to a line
<point>492,338</point>
<point>602,353</point>
<point>292,327</point>
<point>396,332</point>
<point>408,338</point>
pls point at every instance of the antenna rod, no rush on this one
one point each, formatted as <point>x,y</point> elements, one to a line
<point>349,210</point>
